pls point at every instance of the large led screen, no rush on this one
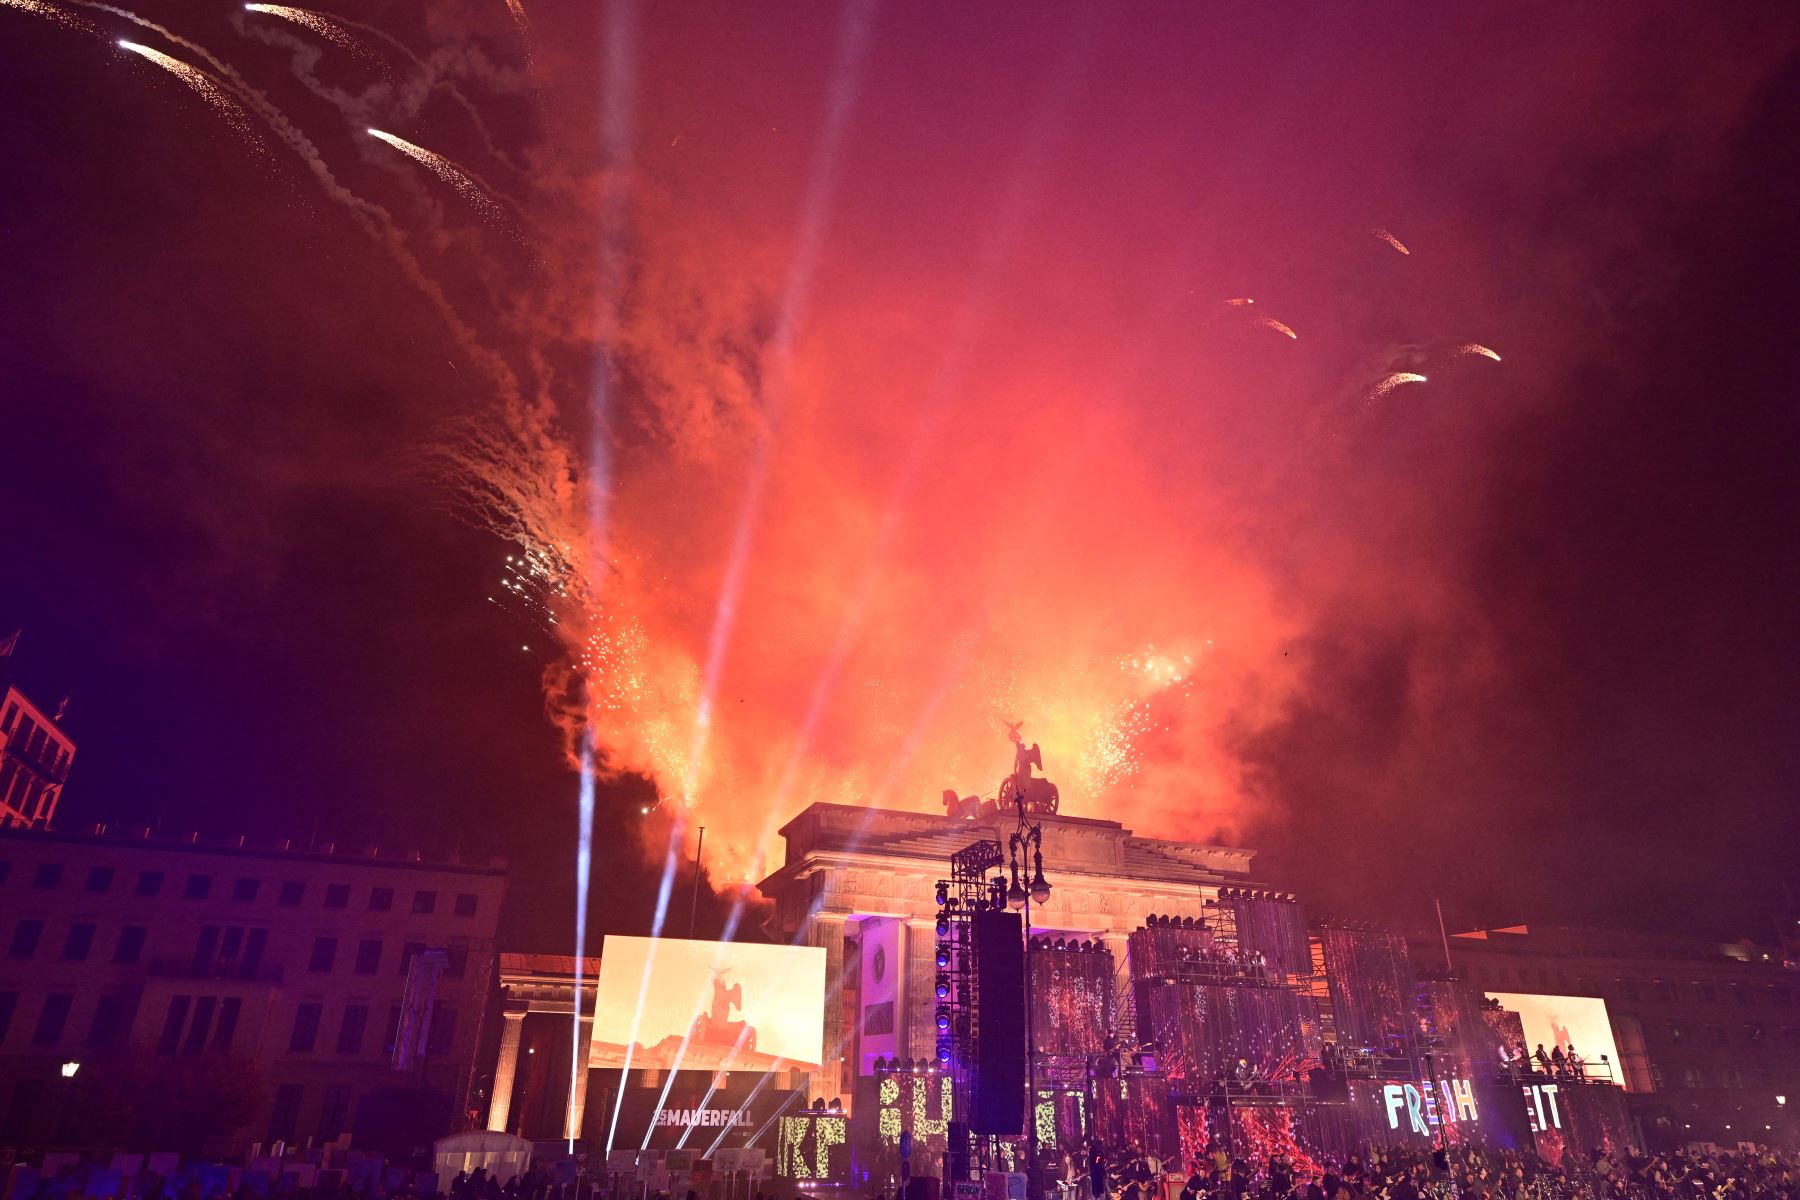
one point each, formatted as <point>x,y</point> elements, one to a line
<point>1564,1021</point>
<point>709,1006</point>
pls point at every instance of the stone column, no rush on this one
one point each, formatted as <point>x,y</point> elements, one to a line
<point>577,1111</point>
<point>506,1069</point>
<point>827,931</point>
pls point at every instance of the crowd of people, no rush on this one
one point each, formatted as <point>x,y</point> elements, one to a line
<point>1458,1173</point>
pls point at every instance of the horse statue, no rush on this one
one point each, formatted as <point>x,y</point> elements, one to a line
<point>1020,789</point>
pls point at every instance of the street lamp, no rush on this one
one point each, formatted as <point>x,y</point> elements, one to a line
<point>1028,839</point>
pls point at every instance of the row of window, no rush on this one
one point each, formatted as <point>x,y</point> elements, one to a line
<point>222,949</point>
<point>292,892</point>
<point>201,1024</point>
<point>105,1031</point>
<point>436,1037</point>
<point>78,942</point>
<point>1666,991</point>
<point>1716,1034</point>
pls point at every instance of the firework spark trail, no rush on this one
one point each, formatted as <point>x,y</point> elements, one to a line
<point>320,24</point>
<point>1389,382</point>
<point>53,14</point>
<point>358,109</point>
<point>1391,240</point>
<point>1239,302</point>
<point>447,171</point>
<point>1476,349</point>
<point>1277,326</point>
<point>377,223</point>
<point>201,82</point>
<point>517,9</point>
<point>815,211</point>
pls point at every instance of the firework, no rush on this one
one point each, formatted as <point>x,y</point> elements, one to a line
<point>517,9</point>
<point>449,172</point>
<point>1391,240</point>
<point>1277,326</point>
<point>199,80</point>
<point>1476,348</point>
<point>1391,381</point>
<point>50,12</point>
<point>322,25</point>
<point>1239,302</point>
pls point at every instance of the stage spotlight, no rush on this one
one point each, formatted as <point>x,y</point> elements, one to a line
<point>943,926</point>
<point>943,987</point>
<point>943,1019</point>
<point>943,954</point>
<point>943,893</point>
<point>944,1052</point>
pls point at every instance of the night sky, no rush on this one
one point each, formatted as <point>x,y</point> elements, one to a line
<point>917,314</point>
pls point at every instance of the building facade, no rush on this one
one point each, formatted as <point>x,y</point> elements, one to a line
<point>333,980</point>
<point>1708,1034</point>
<point>35,755</point>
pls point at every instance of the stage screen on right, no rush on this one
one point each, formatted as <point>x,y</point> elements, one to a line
<point>1580,1021</point>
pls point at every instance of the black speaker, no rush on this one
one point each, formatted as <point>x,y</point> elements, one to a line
<point>1000,1024</point>
<point>956,1152</point>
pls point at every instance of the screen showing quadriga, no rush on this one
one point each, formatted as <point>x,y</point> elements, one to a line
<point>709,1006</point>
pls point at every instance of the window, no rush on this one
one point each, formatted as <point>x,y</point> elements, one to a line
<point>424,902</point>
<point>350,1033</point>
<point>47,876</point>
<point>9,1004</point>
<point>100,879</point>
<point>52,1017</point>
<point>334,1116</point>
<point>368,956</point>
<point>465,904</point>
<point>108,1017</point>
<point>443,1030</point>
<point>229,1009</point>
<point>172,1025</point>
<point>149,883</point>
<point>393,1030</point>
<point>381,899</point>
<point>25,938</point>
<point>292,892</point>
<point>78,942</point>
<point>244,890</point>
<point>286,1114</point>
<point>199,887</point>
<point>131,944</point>
<point>306,1027</point>
<point>1690,1078</point>
<point>411,951</point>
<point>457,961</point>
<point>324,953</point>
<point>337,895</point>
<point>202,1025</point>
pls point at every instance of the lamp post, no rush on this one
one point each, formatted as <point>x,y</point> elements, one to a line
<point>1028,839</point>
